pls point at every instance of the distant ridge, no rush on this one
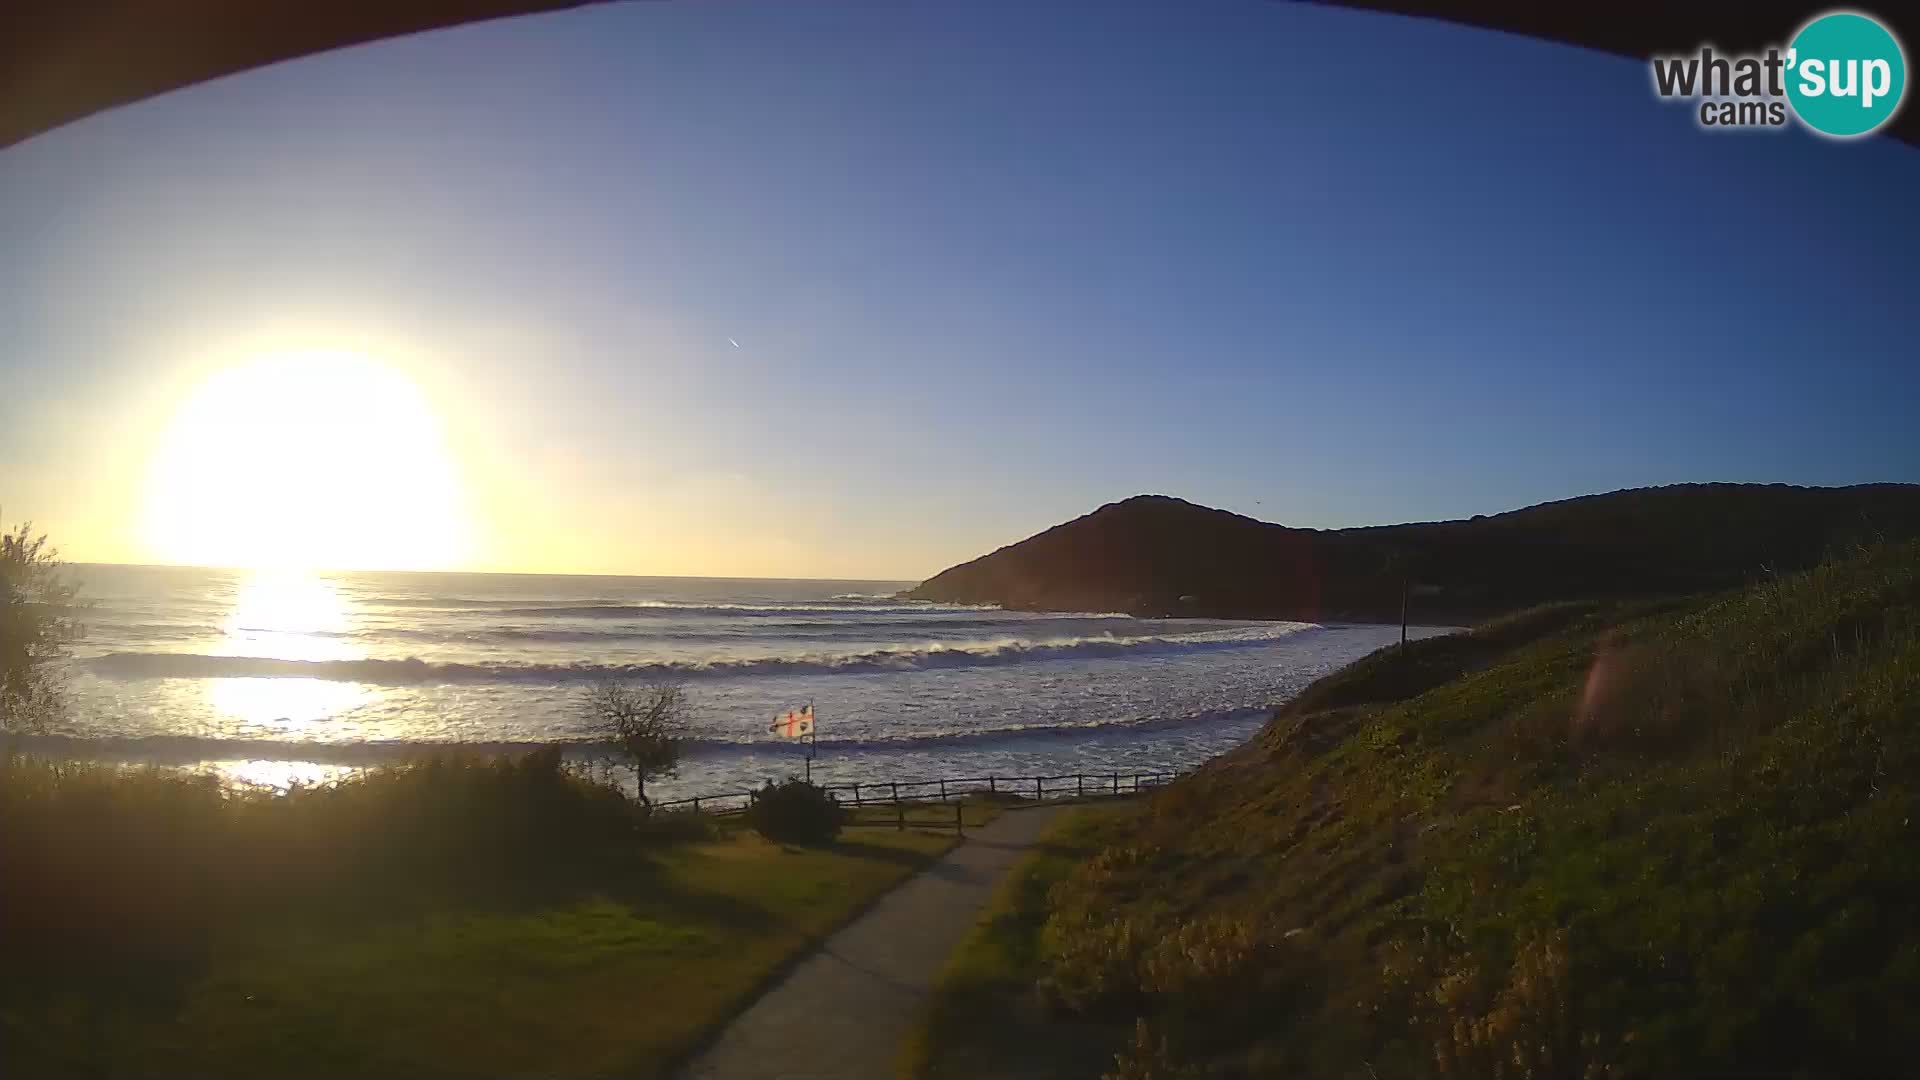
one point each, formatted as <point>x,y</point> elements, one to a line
<point>1159,555</point>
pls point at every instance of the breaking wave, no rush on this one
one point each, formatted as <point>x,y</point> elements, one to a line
<point>189,749</point>
<point>904,657</point>
<point>800,629</point>
<point>664,609</point>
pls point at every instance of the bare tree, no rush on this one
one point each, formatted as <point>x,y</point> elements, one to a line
<point>647,722</point>
<point>36,625</point>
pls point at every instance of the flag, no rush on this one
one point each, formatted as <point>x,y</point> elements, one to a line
<point>794,723</point>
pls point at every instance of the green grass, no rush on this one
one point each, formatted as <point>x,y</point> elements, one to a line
<point>633,950</point>
<point>983,1018</point>
<point>1599,840</point>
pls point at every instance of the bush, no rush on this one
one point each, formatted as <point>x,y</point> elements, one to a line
<point>36,625</point>
<point>1093,962</point>
<point>102,860</point>
<point>795,812</point>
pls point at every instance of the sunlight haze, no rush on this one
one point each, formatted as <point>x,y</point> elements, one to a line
<point>856,290</point>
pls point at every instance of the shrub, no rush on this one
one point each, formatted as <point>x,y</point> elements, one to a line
<point>795,812</point>
<point>1093,962</point>
<point>36,625</point>
<point>1092,954</point>
<point>101,860</point>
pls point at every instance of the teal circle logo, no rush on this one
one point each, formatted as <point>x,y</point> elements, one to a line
<point>1845,74</point>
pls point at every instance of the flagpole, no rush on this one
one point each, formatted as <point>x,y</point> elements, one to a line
<point>813,739</point>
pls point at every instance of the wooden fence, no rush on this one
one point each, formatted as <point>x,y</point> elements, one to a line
<point>900,793</point>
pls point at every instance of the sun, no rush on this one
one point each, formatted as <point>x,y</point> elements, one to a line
<point>308,460</point>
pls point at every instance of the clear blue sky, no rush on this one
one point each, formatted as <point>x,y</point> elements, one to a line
<point>988,265</point>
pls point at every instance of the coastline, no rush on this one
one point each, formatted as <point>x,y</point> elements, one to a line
<point>1067,744</point>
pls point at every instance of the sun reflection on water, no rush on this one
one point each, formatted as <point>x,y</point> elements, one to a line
<point>287,615</point>
<point>290,704</point>
<point>278,775</point>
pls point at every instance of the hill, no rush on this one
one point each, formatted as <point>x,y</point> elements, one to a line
<point>1157,555</point>
<point>1588,840</point>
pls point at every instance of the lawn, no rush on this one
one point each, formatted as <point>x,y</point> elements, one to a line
<point>984,1019</point>
<point>619,981</point>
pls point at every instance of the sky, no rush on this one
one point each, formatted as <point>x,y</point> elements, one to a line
<point>862,290</point>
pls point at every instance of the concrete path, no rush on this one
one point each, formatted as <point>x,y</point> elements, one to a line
<point>844,1011</point>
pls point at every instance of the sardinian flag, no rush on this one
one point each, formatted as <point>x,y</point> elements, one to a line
<point>794,723</point>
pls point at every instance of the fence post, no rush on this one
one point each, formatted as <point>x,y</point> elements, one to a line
<point>946,795</point>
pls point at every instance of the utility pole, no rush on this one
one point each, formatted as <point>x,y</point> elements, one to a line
<point>1406,586</point>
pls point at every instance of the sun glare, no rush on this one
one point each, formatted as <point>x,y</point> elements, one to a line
<point>306,460</point>
<point>287,615</point>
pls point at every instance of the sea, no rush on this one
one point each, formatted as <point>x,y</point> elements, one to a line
<point>281,677</point>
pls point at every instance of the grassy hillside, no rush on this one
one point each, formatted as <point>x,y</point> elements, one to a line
<point>1589,840</point>
<point>1159,555</point>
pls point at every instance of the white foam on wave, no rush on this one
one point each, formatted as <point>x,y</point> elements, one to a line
<point>188,749</point>
<point>412,671</point>
<point>426,663</point>
<point>630,609</point>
